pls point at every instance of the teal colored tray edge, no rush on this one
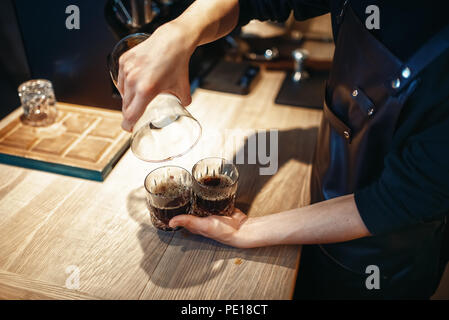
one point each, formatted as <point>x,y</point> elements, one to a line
<point>62,168</point>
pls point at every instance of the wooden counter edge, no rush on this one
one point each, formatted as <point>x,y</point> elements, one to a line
<point>16,287</point>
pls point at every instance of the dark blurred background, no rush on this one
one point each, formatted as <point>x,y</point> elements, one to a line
<point>14,67</point>
<point>37,44</point>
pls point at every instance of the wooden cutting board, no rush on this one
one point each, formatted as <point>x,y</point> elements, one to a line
<point>84,142</point>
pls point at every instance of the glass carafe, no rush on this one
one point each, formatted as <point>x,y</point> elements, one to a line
<point>166,129</point>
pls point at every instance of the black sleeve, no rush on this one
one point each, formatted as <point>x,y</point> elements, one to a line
<point>414,185</point>
<point>279,10</point>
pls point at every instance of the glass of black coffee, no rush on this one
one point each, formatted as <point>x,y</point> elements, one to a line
<point>214,187</point>
<point>169,193</point>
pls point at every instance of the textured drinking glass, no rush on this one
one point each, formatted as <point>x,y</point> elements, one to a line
<point>38,102</point>
<point>169,193</point>
<point>215,184</point>
<point>166,130</point>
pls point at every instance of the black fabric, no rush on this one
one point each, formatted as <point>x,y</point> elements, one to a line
<point>414,185</point>
<point>13,62</point>
<point>405,25</point>
<point>395,160</point>
<point>321,277</point>
<point>279,10</point>
<point>352,144</point>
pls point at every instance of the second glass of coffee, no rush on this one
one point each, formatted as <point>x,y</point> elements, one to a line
<point>214,186</point>
<point>169,193</point>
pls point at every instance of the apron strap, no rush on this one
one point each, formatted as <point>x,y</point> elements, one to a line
<point>421,59</point>
<point>342,12</point>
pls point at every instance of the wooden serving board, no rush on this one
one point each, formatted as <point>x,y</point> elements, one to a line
<point>84,142</point>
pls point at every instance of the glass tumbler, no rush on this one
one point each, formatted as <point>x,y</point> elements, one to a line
<point>38,102</point>
<point>166,129</point>
<point>215,184</point>
<point>169,193</point>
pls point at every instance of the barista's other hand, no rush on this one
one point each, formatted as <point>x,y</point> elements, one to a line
<point>159,64</point>
<point>221,228</point>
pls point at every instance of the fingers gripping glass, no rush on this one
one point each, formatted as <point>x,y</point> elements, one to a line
<point>166,130</point>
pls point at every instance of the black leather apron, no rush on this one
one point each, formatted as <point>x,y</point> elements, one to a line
<point>366,91</point>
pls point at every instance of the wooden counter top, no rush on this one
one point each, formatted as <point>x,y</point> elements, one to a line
<point>50,222</point>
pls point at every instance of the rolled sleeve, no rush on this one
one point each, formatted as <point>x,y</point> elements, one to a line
<point>413,187</point>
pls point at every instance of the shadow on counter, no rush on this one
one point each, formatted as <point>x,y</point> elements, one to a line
<point>296,144</point>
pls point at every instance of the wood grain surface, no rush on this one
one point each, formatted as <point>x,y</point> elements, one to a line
<point>50,222</point>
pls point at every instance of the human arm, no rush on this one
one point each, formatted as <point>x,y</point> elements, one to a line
<point>330,221</point>
<point>412,189</point>
<point>161,63</point>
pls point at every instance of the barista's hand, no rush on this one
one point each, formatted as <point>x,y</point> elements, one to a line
<point>220,228</point>
<point>330,221</point>
<point>159,64</point>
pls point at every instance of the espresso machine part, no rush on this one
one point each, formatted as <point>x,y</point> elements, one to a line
<point>125,17</point>
<point>302,87</point>
<point>141,13</point>
<point>299,58</point>
<point>268,54</point>
<point>232,77</point>
<point>122,13</point>
<point>129,16</point>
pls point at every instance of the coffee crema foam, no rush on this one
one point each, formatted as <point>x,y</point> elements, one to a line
<point>214,188</point>
<point>169,189</point>
<point>216,181</point>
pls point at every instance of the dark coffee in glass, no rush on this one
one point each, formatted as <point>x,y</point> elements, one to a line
<point>169,193</point>
<point>214,187</point>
